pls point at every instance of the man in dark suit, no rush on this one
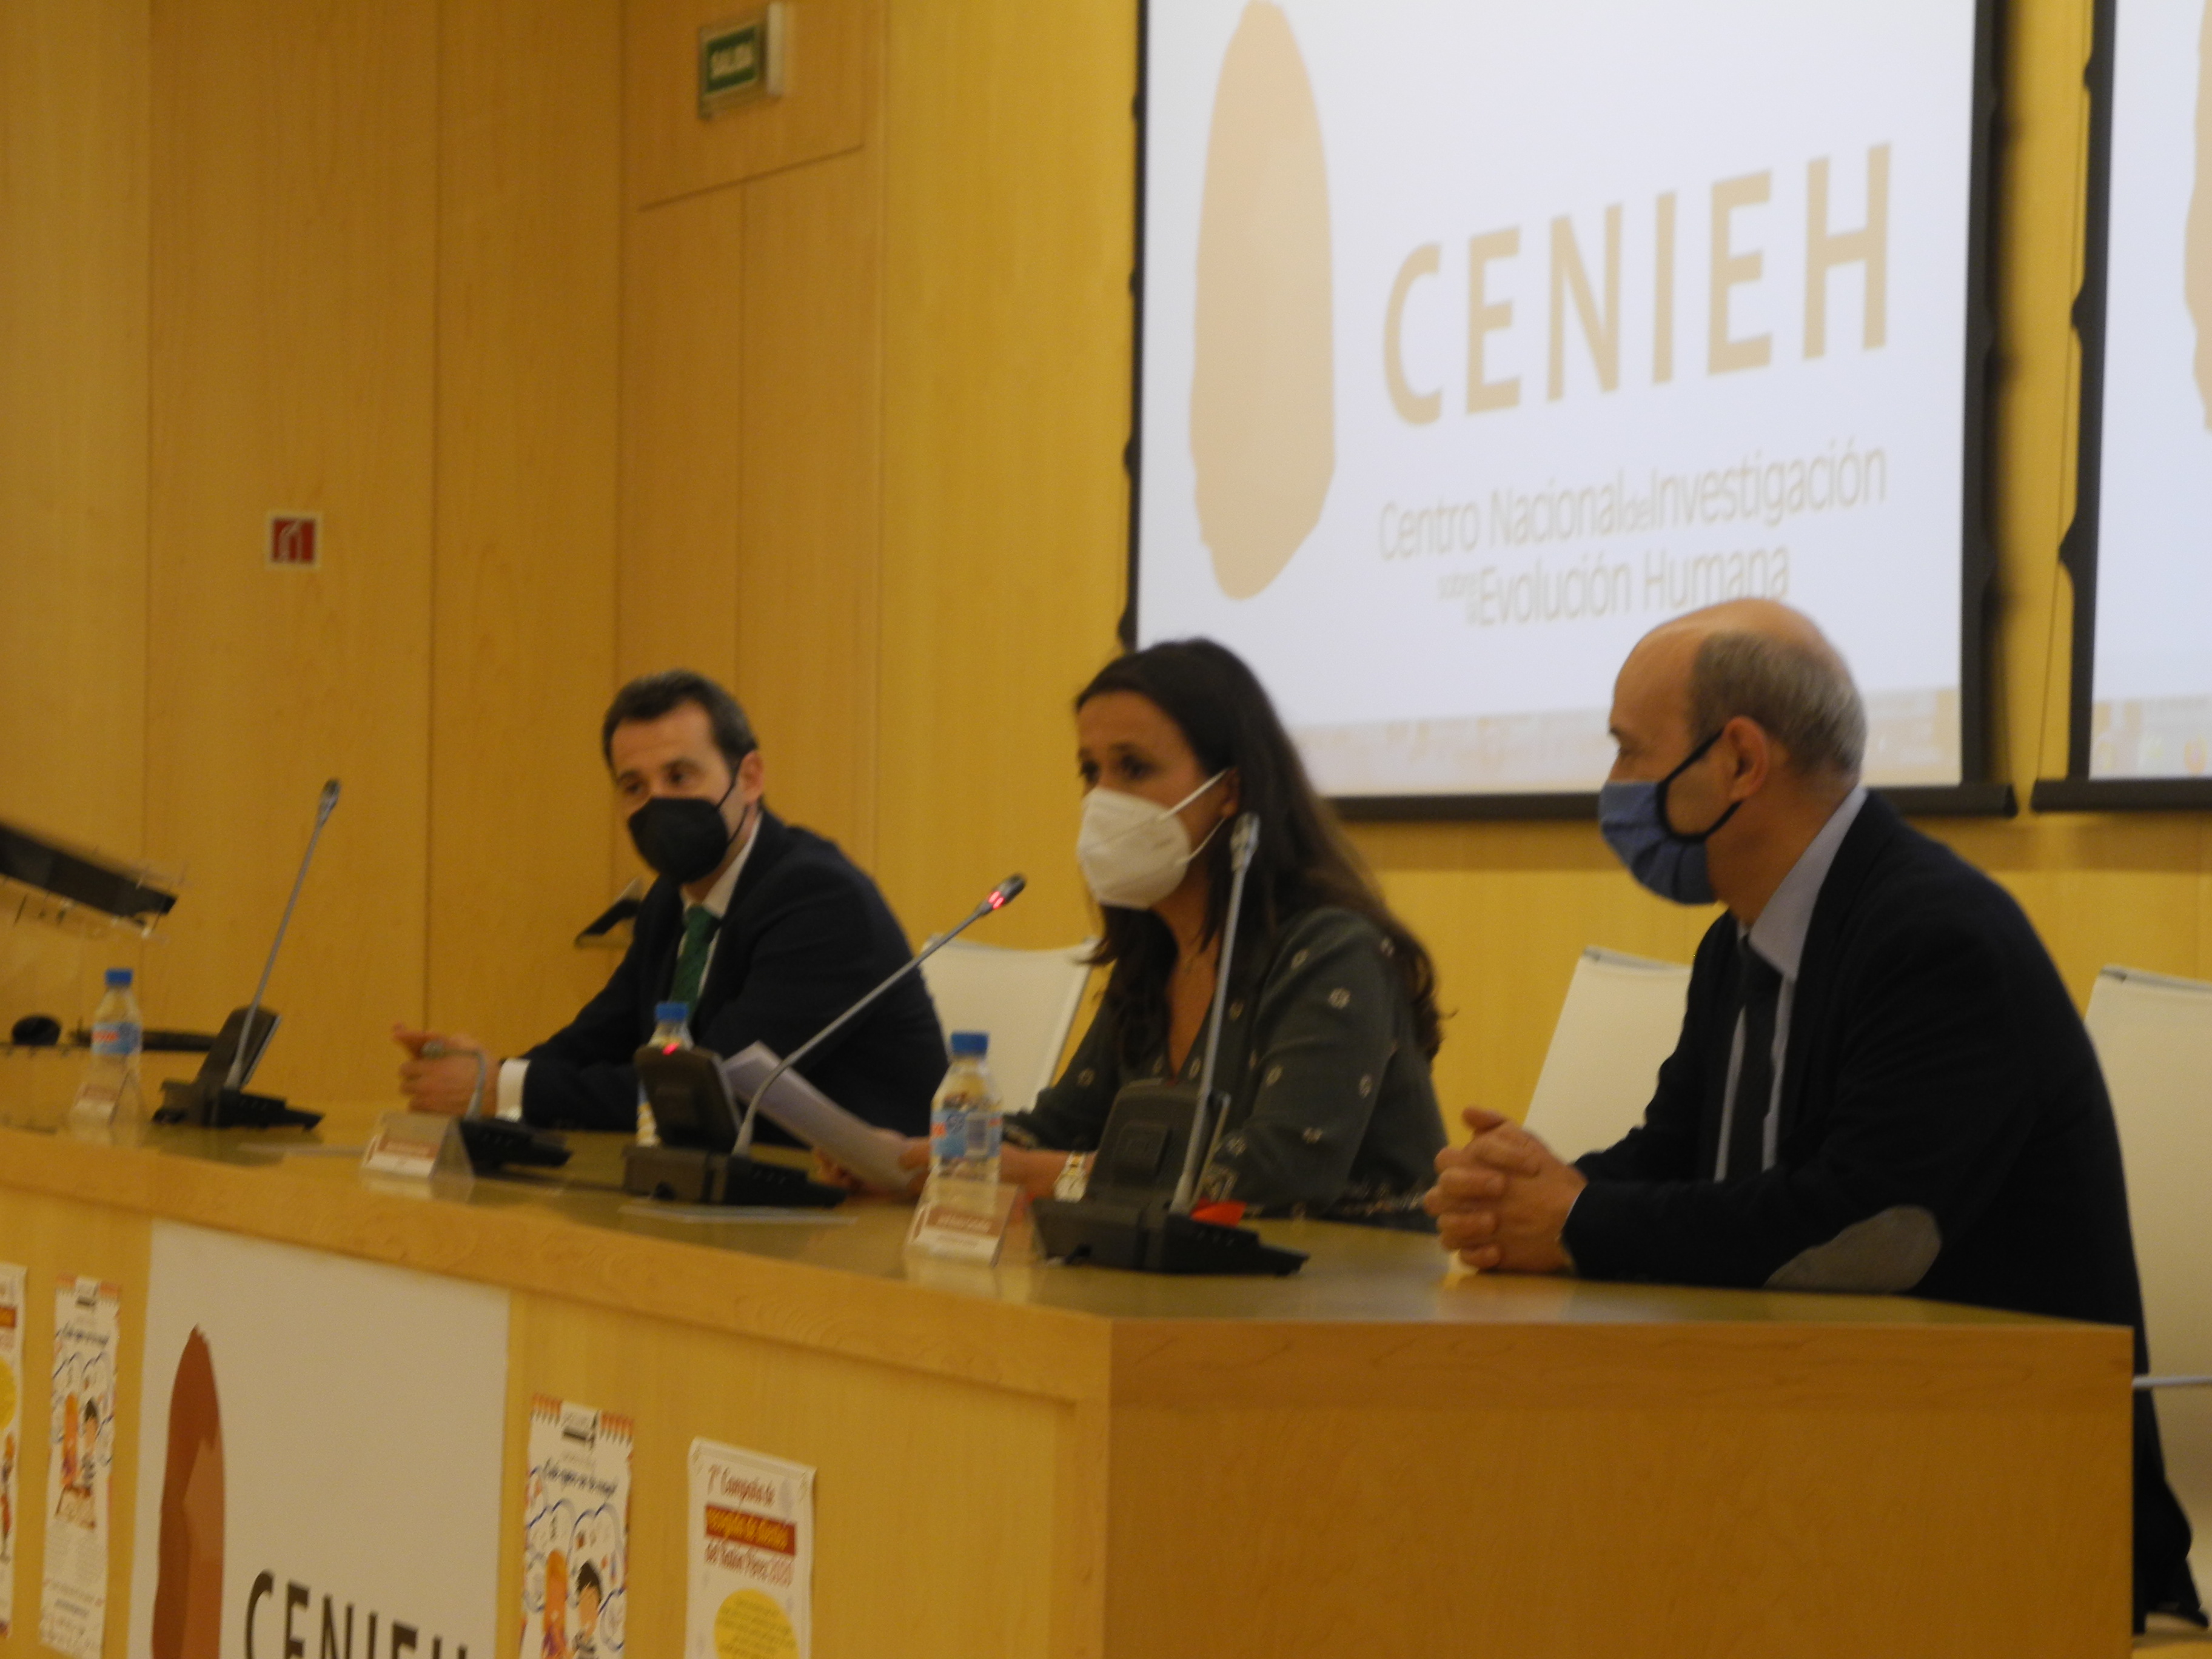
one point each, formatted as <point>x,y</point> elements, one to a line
<point>1882,1083</point>
<point>766,930</point>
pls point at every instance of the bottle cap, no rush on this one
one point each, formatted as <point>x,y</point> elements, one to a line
<point>666,1011</point>
<point>967,1044</point>
<point>118,979</point>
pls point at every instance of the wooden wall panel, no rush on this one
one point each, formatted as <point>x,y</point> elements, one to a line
<point>682,358</point>
<point>830,63</point>
<point>529,270</point>
<point>293,355</point>
<point>1008,226</point>
<point>73,82</point>
<point>808,514</point>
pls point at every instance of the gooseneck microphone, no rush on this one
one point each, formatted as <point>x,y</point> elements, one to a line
<point>323,806</point>
<point>217,1098</point>
<point>1243,841</point>
<point>996,899</point>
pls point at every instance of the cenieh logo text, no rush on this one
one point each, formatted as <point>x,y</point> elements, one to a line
<point>295,1636</point>
<point>1416,388</point>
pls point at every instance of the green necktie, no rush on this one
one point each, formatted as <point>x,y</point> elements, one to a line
<point>699,924</point>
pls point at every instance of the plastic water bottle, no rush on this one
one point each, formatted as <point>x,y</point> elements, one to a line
<point>965,1119</point>
<point>671,1033</point>
<point>110,1088</point>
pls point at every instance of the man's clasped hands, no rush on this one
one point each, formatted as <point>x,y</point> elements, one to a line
<point>1502,1198</point>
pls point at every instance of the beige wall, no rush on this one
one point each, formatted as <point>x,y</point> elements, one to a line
<point>827,398</point>
<point>360,259</point>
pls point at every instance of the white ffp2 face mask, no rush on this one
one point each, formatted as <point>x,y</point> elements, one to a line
<point>1133,850</point>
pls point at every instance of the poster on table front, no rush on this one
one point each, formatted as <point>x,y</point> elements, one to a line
<point>750,1545</point>
<point>320,1456</point>
<point>575,1533</point>
<point>13,1281</point>
<point>80,1461</point>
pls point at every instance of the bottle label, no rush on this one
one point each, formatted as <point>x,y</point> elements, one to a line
<point>963,1134</point>
<point>117,1039</point>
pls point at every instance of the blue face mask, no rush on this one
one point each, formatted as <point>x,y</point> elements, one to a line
<point>1632,816</point>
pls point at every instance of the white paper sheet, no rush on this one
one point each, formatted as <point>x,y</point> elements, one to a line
<point>797,1105</point>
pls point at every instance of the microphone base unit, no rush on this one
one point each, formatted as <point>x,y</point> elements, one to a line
<point>1152,1238</point>
<point>202,1104</point>
<point>692,1175</point>
<point>493,1143</point>
<point>1128,1218</point>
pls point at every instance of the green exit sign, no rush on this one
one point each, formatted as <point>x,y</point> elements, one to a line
<point>741,59</point>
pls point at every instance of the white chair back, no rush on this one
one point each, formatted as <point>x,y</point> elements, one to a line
<point>2154,1037</point>
<point>1623,1016</point>
<point>1026,999</point>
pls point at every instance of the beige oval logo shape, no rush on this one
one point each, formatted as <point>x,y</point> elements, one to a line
<point>1263,381</point>
<point>188,1594</point>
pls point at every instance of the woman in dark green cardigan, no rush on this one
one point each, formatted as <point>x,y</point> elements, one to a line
<point>1331,1019</point>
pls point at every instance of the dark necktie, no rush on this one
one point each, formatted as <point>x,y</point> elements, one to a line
<point>699,924</point>
<point>1755,1078</point>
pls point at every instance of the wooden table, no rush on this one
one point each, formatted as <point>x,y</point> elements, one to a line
<point>1376,1456</point>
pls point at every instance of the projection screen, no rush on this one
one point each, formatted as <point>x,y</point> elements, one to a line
<point>2140,549</point>
<point>1477,338</point>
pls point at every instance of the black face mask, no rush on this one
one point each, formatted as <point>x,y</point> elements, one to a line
<point>682,838</point>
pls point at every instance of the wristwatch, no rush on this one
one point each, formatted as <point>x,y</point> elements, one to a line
<point>1074,1177</point>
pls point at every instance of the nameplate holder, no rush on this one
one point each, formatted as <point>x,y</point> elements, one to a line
<point>958,1219</point>
<point>419,1151</point>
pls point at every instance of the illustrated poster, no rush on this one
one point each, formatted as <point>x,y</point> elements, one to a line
<point>80,1461</point>
<point>12,1283</point>
<point>751,1548</point>
<point>575,1532</point>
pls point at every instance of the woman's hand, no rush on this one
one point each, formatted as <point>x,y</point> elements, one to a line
<point>1017,1164</point>
<point>1033,1170</point>
<point>913,1154</point>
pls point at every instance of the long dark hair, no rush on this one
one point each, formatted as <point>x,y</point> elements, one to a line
<point>1303,860</point>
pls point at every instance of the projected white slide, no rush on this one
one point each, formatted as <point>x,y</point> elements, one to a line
<point>1479,337</point>
<point>2151,681</point>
